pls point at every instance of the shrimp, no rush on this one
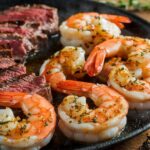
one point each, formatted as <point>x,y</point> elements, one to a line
<point>65,64</point>
<point>31,133</point>
<point>108,66</point>
<point>136,91</point>
<point>89,29</point>
<point>81,123</point>
<point>133,79</point>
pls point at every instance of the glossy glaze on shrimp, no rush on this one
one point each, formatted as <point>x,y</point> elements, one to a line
<point>89,29</point>
<point>32,132</point>
<point>65,64</point>
<point>81,123</point>
<point>133,79</point>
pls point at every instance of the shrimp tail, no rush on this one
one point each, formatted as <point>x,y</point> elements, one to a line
<point>75,87</point>
<point>11,99</point>
<point>95,61</point>
<point>118,20</point>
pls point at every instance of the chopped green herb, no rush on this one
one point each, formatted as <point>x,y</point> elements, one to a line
<point>142,53</point>
<point>94,120</point>
<point>45,124</point>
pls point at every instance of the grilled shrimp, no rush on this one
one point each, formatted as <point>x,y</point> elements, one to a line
<point>90,28</point>
<point>31,133</point>
<point>81,123</point>
<point>130,72</point>
<point>65,64</point>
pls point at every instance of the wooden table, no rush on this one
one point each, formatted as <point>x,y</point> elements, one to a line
<point>143,14</point>
<point>136,142</point>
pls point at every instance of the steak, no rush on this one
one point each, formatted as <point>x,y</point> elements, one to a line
<point>22,28</point>
<point>6,62</point>
<point>14,30</point>
<point>20,45</point>
<point>17,46</point>
<point>28,83</point>
<point>25,83</point>
<point>12,72</point>
<point>4,52</point>
<point>39,16</point>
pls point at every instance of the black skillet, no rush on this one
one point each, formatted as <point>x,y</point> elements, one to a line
<point>138,121</point>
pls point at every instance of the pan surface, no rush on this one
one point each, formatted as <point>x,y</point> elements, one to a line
<point>138,121</point>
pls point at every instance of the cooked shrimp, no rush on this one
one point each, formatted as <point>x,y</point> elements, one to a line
<point>108,66</point>
<point>135,54</point>
<point>81,123</point>
<point>31,133</point>
<point>89,29</point>
<point>65,64</point>
<point>136,91</point>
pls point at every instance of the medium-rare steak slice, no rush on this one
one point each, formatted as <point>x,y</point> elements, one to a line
<point>17,46</point>
<point>5,52</point>
<point>30,42</point>
<point>6,62</point>
<point>12,72</point>
<point>24,83</point>
<point>16,37</point>
<point>24,28</point>
<point>14,30</point>
<point>38,16</point>
<point>28,83</point>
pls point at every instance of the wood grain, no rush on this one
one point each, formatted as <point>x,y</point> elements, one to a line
<point>143,14</point>
<point>132,144</point>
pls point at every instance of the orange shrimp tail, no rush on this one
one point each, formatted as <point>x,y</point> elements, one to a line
<point>75,87</point>
<point>118,20</point>
<point>95,61</point>
<point>11,99</point>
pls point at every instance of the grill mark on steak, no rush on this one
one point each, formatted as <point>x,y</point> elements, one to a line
<point>4,52</point>
<point>12,72</point>
<point>24,39</point>
<point>22,28</point>
<point>39,17</point>
<point>6,62</point>
<point>26,83</point>
<point>17,46</point>
<point>14,30</point>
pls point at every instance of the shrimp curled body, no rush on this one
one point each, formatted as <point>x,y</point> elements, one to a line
<point>31,133</point>
<point>89,29</point>
<point>81,123</point>
<point>65,64</point>
<point>127,70</point>
<point>77,121</point>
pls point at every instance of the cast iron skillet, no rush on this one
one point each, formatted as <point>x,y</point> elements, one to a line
<point>138,121</point>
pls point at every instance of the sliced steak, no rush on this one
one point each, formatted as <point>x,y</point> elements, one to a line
<point>26,83</point>
<point>45,92</point>
<point>5,52</point>
<point>24,28</point>
<point>6,62</point>
<point>15,30</point>
<point>17,46</point>
<point>12,72</point>
<point>38,16</point>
